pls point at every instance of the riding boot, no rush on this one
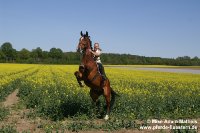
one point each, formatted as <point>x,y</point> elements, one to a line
<point>101,70</point>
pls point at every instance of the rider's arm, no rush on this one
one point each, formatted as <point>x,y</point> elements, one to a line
<point>97,53</point>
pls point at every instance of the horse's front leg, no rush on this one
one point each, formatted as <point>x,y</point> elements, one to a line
<point>78,76</point>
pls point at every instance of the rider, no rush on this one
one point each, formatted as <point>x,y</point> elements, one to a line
<point>97,53</point>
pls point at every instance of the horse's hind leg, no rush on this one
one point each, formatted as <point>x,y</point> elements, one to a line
<point>113,94</point>
<point>107,95</point>
<point>95,99</point>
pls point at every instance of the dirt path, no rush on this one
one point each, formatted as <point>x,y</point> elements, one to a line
<point>11,99</point>
<point>193,70</point>
<point>175,70</point>
<point>18,116</point>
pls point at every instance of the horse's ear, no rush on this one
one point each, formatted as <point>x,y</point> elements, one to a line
<point>86,34</point>
<point>81,33</point>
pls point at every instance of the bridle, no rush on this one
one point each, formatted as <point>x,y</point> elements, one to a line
<point>81,49</point>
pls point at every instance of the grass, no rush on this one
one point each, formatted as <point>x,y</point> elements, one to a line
<point>3,112</point>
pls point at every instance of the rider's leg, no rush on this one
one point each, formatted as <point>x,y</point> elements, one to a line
<point>101,70</point>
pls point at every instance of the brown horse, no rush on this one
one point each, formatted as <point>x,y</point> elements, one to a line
<point>88,72</point>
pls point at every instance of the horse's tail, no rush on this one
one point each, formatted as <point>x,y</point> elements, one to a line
<point>113,95</point>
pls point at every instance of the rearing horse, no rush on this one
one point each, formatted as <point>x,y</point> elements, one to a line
<point>88,72</point>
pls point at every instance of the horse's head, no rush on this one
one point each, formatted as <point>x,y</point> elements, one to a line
<point>84,42</point>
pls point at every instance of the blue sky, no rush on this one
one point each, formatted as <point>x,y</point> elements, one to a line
<point>161,28</point>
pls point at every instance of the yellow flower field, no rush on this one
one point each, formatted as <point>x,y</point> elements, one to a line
<point>54,92</point>
<point>11,75</point>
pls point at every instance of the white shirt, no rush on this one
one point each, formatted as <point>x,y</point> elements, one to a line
<point>97,56</point>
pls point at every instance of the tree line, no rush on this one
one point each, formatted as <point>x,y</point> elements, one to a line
<point>56,56</point>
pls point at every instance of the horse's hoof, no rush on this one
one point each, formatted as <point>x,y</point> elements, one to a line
<point>82,86</point>
<point>106,117</point>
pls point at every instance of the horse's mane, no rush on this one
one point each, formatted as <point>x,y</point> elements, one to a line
<point>89,41</point>
<point>91,45</point>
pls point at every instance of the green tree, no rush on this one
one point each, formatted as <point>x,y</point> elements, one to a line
<point>24,54</point>
<point>8,51</point>
<point>195,61</point>
<point>56,53</point>
<point>2,56</point>
<point>14,54</point>
<point>45,54</point>
<point>39,52</point>
<point>36,54</point>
